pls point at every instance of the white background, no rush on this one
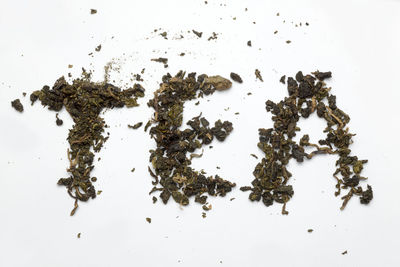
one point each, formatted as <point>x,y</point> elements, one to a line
<point>357,40</point>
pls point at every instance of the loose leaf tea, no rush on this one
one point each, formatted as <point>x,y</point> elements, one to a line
<point>307,94</point>
<point>84,100</point>
<point>171,160</point>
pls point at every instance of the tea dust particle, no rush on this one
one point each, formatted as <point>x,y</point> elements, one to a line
<point>344,252</point>
<point>93,11</point>
<point>148,220</point>
<point>288,41</point>
<point>98,48</point>
<point>79,235</point>
<point>310,230</point>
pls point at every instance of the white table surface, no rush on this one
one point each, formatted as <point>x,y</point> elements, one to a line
<point>357,40</point>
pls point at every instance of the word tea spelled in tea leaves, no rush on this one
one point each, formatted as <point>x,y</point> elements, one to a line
<point>84,100</point>
<point>170,160</point>
<point>307,94</point>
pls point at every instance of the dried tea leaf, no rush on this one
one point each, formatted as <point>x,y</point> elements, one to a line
<point>161,60</point>
<point>199,34</point>
<point>218,82</point>
<point>59,122</point>
<point>236,77</point>
<point>136,126</point>
<point>258,75</point>
<point>16,104</point>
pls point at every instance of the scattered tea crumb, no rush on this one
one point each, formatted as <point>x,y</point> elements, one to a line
<point>16,104</point>
<point>277,14</point>
<point>164,34</point>
<point>93,11</point>
<point>98,48</point>
<point>310,230</point>
<point>205,2</point>
<point>99,192</point>
<point>136,126</point>
<point>254,156</point>
<point>133,170</point>
<point>213,36</point>
<point>237,113</point>
<point>154,200</point>
<point>344,252</point>
<point>59,122</point>
<point>207,208</point>
<point>199,34</point>
<point>249,43</point>
<point>24,94</point>
<point>148,220</point>
<point>232,199</point>
<point>203,214</point>
<point>258,75</point>
<point>283,79</point>
<point>161,60</point>
<point>197,103</point>
<point>288,41</point>
<point>142,72</point>
<point>218,167</point>
<point>236,77</point>
<point>182,54</point>
<point>79,235</point>
<point>70,66</point>
<point>249,93</point>
<point>275,32</point>
<point>307,24</point>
